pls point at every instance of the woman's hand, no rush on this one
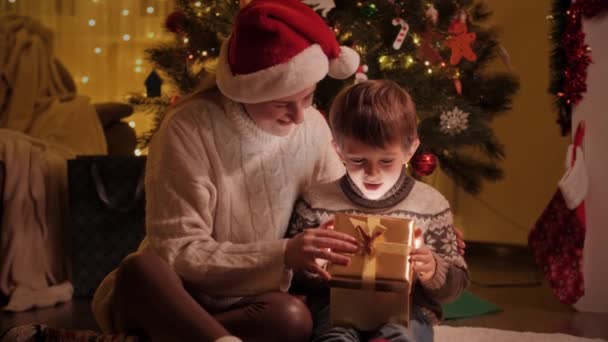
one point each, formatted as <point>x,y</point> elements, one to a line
<point>422,259</point>
<point>319,243</point>
<point>460,239</point>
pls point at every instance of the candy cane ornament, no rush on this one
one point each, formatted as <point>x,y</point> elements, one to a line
<point>402,32</point>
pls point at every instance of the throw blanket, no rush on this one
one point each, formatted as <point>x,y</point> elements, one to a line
<point>33,236</point>
<point>42,124</point>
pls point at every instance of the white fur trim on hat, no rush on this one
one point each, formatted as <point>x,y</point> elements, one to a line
<point>345,65</point>
<point>302,71</point>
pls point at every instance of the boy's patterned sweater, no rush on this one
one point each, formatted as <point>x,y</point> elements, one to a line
<point>407,199</point>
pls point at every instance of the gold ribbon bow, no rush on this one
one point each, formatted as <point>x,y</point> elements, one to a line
<point>370,232</point>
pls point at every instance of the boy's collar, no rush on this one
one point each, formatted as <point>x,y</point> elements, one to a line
<point>393,196</point>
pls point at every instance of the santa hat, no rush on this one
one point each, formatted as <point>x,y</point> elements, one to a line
<point>279,48</point>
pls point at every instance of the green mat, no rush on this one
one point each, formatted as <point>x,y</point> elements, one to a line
<point>468,305</point>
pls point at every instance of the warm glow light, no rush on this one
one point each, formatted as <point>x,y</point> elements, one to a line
<point>137,152</point>
<point>97,50</point>
<point>151,35</point>
<point>125,12</point>
<point>198,4</point>
<point>138,61</point>
<point>427,63</point>
<point>126,37</point>
<point>186,40</point>
<point>92,22</point>
<point>430,71</point>
<point>132,124</point>
<point>204,53</point>
<point>85,79</point>
<point>12,1</point>
<point>150,9</point>
<point>217,14</point>
<point>138,69</point>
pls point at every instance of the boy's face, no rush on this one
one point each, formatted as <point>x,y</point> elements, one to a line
<point>278,117</point>
<point>374,170</point>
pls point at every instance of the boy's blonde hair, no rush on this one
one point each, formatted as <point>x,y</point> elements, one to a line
<point>375,112</point>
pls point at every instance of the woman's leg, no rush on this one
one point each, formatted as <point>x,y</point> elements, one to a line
<point>272,316</point>
<point>149,298</point>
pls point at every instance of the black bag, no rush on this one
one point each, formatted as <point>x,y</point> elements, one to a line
<point>106,201</point>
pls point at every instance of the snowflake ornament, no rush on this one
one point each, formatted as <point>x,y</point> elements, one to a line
<point>454,121</point>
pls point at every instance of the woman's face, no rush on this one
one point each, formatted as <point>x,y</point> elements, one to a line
<point>278,117</point>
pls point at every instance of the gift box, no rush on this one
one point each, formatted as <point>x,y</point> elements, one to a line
<point>375,287</point>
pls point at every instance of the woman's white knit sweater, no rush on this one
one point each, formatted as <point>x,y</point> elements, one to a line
<point>219,195</point>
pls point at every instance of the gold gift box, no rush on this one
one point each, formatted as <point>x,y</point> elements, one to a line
<point>375,287</point>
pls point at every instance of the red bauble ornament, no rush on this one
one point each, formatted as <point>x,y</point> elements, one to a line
<point>175,22</point>
<point>424,163</point>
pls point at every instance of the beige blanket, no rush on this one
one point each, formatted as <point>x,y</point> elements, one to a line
<point>42,124</point>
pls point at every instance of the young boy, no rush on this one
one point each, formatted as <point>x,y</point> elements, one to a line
<point>374,129</point>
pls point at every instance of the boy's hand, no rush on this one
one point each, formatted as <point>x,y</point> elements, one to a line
<point>422,259</point>
<point>311,244</point>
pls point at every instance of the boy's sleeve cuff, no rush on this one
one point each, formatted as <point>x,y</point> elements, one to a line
<point>438,279</point>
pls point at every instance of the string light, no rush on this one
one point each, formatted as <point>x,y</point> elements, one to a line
<point>138,69</point>
<point>198,4</point>
<point>186,40</point>
<point>97,50</point>
<point>125,12</point>
<point>84,79</point>
<point>92,22</point>
<point>429,70</point>
<point>409,60</point>
<point>150,9</point>
<point>137,152</point>
<point>138,61</point>
<point>151,35</point>
<point>12,1</point>
<point>132,124</point>
<point>204,53</point>
<point>126,37</point>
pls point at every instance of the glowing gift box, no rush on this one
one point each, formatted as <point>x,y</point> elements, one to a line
<point>375,287</point>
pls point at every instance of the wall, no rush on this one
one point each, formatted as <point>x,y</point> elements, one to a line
<point>504,211</point>
<point>593,110</point>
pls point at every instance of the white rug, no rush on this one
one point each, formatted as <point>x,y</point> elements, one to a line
<point>467,334</point>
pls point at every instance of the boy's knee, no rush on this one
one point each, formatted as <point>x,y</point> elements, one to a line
<point>288,316</point>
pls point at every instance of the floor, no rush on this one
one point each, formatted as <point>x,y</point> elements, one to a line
<point>504,275</point>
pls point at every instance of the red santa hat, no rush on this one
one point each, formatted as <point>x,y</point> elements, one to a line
<point>279,48</point>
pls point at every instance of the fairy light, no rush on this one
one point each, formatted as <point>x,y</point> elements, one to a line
<point>427,63</point>
<point>84,79</point>
<point>186,40</point>
<point>150,9</point>
<point>198,4</point>
<point>429,71</point>
<point>416,39</point>
<point>132,124</point>
<point>204,53</point>
<point>97,50</point>
<point>126,37</point>
<point>137,152</point>
<point>409,60</point>
<point>92,22</point>
<point>125,12</point>
<point>217,14</point>
<point>151,35</point>
<point>138,69</point>
<point>12,1</point>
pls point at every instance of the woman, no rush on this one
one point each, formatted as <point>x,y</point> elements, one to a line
<point>223,173</point>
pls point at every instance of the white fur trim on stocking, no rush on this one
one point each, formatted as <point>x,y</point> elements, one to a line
<point>575,182</point>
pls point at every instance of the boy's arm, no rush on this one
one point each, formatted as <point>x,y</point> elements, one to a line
<point>451,274</point>
<point>303,217</point>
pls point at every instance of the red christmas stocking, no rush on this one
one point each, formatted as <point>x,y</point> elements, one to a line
<point>558,237</point>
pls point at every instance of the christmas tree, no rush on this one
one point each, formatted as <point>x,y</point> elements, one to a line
<point>437,50</point>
